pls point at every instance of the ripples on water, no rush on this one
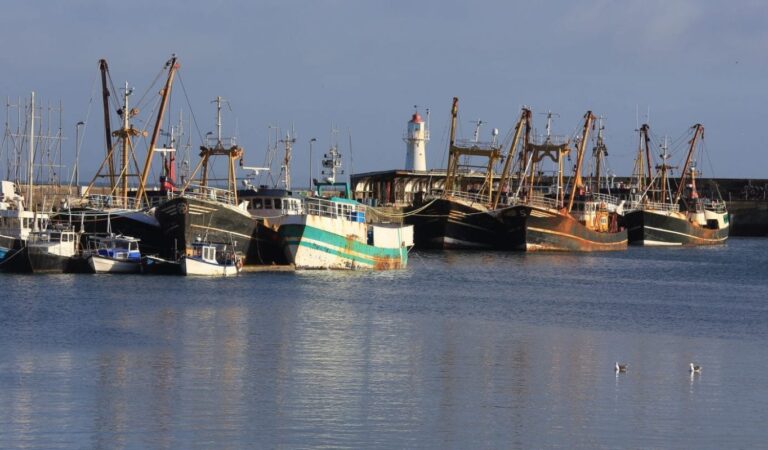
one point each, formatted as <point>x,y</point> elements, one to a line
<point>462,350</point>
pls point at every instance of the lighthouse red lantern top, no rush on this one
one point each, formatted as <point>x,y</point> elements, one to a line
<point>416,118</point>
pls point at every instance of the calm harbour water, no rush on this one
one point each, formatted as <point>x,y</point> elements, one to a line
<point>461,350</point>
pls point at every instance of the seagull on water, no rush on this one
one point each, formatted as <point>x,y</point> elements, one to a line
<point>620,367</point>
<point>694,368</point>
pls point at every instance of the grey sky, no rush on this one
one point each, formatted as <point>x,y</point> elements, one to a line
<point>362,65</point>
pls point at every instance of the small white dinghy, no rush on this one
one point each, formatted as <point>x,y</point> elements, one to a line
<point>213,260</point>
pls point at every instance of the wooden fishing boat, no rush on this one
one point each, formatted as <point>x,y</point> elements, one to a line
<point>587,221</point>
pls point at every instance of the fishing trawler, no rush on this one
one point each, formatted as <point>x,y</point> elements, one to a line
<point>660,217</point>
<point>200,211</point>
<point>330,231</point>
<point>126,210</point>
<point>269,205</point>
<point>465,214</point>
<point>587,221</point>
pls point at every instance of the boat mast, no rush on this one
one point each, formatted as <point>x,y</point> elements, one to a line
<point>645,133</point>
<point>125,134</point>
<point>107,125</point>
<point>664,169</point>
<point>288,142</point>
<point>233,153</point>
<point>455,152</point>
<point>30,181</point>
<point>599,153</point>
<point>172,67</point>
<point>588,118</point>
<point>453,157</point>
<point>525,120</point>
<point>698,129</point>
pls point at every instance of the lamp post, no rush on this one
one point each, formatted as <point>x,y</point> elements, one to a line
<point>77,153</point>
<point>310,161</point>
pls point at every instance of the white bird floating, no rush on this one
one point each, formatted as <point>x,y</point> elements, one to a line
<point>694,368</point>
<point>620,367</point>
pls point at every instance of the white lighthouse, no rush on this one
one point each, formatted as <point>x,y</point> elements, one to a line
<point>416,143</point>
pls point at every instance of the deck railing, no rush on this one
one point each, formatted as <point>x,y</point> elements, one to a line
<point>99,201</point>
<point>206,193</point>
<point>542,200</point>
<point>651,206</point>
<point>473,197</point>
<point>328,208</point>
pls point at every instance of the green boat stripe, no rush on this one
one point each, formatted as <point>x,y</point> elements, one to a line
<point>338,245</point>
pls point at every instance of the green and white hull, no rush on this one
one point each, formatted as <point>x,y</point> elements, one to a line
<point>342,242</point>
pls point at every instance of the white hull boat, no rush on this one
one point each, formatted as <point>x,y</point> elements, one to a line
<point>102,264</point>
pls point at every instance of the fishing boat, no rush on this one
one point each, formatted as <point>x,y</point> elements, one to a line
<point>269,205</point>
<point>200,211</point>
<point>465,214</point>
<point>207,259</point>
<point>587,221</point>
<point>113,254</point>
<point>16,222</point>
<point>332,234</point>
<point>330,230</point>
<point>127,209</point>
<point>52,250</point>
<point>663,218</point>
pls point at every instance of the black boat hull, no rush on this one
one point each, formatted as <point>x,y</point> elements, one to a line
<point>157,266</point>
<point>184,220</point>
<point>27,260</point>
<point>548,230</point>
<point>8,245</point>
<point>139,224</point>
<point>456,225</point>
<point>660,229</point>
